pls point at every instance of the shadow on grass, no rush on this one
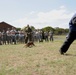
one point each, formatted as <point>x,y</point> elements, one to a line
<point>70,54</point>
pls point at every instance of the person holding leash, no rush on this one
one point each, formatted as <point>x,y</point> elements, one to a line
<point>71,36</point>
<point>28,34</point>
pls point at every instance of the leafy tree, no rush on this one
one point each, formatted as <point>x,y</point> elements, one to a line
<point>18,29</point>
<point>60,31</point>
<point>32,27</point>
<point>48,29</point>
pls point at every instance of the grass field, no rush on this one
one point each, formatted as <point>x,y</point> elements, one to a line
<point>44,59</point>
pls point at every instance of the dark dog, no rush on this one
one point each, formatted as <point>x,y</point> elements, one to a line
<point>30,44</point>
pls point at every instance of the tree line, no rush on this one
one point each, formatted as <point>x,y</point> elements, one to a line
<point>57,30</point>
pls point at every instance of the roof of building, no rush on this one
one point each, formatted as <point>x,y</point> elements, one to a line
<point>4,24</point>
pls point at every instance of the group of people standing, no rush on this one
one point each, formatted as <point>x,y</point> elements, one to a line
<point>38,35</point>
<point>8,36</point>
<point>13,36</point>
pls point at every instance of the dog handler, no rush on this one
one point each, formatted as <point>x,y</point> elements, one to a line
<point>71,36</point>
<point>29,34</point>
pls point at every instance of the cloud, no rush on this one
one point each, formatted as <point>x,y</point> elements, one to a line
<point>32,12</point>
<point>55,18</point>
<point>62,7</point>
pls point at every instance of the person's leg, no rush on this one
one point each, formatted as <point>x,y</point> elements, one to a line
<point>52,38</point>
<point>14,39</point>
<point>26,40</point>
<point>30,37</point>
<point>8,39</point>
<point>0,41</point>
<point>67,43</point>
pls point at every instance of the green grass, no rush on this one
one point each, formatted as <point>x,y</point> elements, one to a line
<point>44,59</point>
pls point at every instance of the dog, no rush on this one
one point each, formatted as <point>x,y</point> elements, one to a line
<point>29,44</point>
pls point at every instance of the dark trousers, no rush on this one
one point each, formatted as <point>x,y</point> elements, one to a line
<point>51,38</point>
<point>13,39</point>
<point>9,39</point>
<point>71,37</point>
<point>28,39</point>
<point>0,41</point>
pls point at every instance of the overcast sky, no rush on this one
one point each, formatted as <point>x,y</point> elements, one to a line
<point>38,13</point>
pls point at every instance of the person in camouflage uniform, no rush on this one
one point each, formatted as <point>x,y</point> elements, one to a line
<point>28,34</point>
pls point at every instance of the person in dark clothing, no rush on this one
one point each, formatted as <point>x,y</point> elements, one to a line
<point>4,37</point>
<point>71,36</point>
<point>8,36</point>
<point>28,34</point>
<point>51,36</point>
<point>0,38</point>
<point>43,37</point>
<point>13,35</point>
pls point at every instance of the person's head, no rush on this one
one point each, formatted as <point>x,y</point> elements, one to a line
<point>3,30</point>
<point>13,28</point>
<point>27,25</point>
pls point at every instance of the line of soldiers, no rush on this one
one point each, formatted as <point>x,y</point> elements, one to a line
<point>8,36</point>
<point>13,36</point>
<point>41,36</point>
